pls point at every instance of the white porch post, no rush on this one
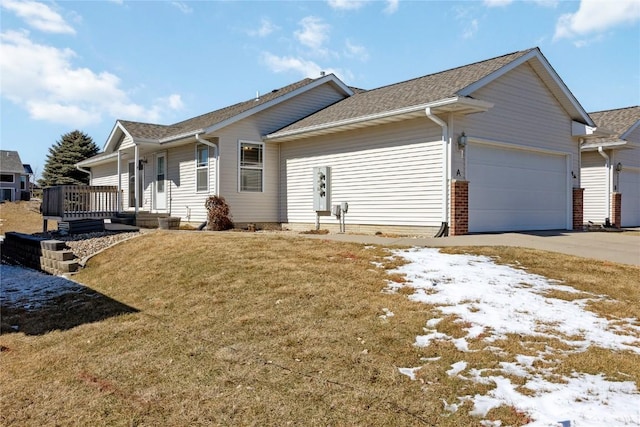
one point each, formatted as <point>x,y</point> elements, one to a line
<point>119,195</point>
<point>137,177</point>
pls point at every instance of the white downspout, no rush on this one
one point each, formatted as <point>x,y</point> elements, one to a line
<point>87,171</point>
<point>608,169</point>
<point>445,163</point>
<point>214,145</point>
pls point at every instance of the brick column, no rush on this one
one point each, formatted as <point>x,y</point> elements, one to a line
<point>616,209</point>
<point>459,208</point>
<point>578,196</point>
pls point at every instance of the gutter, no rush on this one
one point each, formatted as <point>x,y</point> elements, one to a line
<point>444,229</point>
<point>456,100</point>
<point>608,195</point>
<point>214,145</point>
<point>87,171</point>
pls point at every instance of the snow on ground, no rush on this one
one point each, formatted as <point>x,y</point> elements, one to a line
<point>30,289</point>
<point>497,300</point>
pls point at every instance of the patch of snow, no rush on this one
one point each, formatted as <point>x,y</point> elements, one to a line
<point>496,300</point>
<point>30,289</point>
<point>410,372</point>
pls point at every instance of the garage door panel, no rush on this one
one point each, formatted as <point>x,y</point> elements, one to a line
<point>513,190</point>
<point>630,189</point>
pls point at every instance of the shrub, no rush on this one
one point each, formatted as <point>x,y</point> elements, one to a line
<point>218,217</point>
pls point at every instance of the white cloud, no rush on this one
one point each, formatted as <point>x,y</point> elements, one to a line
<point>266,27</point>
<point>182,7</point>
<point>42,80</point>
<point>597,16</point>
<point>353,50</point>
<point>39,16</point>
<point>314,32</point>
<point>346,4</point>
<point>497,3</point>
<point>470,29</point>
<point>392,6</point>
<point>281,64</point>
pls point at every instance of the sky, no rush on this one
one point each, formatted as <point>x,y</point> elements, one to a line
<point>68,65</point>
<point>493,301</point>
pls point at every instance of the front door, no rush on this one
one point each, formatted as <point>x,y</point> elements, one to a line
<point>161,185</point>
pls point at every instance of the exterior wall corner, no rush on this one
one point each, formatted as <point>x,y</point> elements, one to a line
<point>459,208</point>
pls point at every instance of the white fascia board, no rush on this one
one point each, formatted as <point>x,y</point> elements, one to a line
<point>612,145</point>
<point>535,53</point>
<point>96,160</point>
<point>318,82</point>
<point>633,127</point>
<point>184,135</point>
<point>111,139</point>
<point>456,100</point>
<point>585,131</point>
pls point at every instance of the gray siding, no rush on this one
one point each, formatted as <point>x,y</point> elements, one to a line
<point>594,182</point>
<point>389,174</point>
<point>525,113</point>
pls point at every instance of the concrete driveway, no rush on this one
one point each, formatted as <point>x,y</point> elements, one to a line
<point>620,247</point>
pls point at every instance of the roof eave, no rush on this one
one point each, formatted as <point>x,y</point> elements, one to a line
<point>318,82</point>
<point>462,105</point>
<point>611,145</point>
<point>535,54</point>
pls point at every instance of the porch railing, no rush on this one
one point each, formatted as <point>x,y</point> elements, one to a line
<point>68,202</point>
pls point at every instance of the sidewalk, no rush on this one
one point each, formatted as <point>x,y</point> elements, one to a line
<point>604,246</point>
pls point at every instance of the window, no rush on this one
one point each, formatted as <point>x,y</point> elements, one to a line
<point>7,177</point>
<point>202,167</point>
<point>23,182</point>
<point>251,166</point>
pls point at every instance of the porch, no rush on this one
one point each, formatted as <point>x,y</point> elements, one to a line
<point>80,204</point>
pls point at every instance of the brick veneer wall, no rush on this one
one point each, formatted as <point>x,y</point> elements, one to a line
<point>616,209</point>
<point>459,208</point>
<point>578,200</point>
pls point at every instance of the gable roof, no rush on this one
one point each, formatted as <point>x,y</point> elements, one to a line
<point>448,90</point>
<point>208,122</point>
<point>621,121</point>
<point>10,162</point>
<point>616,125</point>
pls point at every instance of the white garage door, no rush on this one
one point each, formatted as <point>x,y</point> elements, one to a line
<point>511,190</point>
<point>630,189</point>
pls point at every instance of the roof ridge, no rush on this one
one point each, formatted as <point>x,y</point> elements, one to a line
<point>615,109</point>
<point>522,52</point>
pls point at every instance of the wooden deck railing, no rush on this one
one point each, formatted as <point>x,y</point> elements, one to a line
<point>68,202</point>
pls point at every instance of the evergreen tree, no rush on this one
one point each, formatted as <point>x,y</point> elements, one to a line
<point>60,168</point>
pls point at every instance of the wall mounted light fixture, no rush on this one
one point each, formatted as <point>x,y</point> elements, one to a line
<point>619,167</point>
<point>462,141</point>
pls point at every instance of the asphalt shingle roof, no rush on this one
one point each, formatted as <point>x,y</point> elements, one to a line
<point>619,120</point>
<point>418,91</point>
<point>155,131</point>
<point>10,162</point>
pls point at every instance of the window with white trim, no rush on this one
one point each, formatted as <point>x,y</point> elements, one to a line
<point>202,167</point>
<point>251,159</point>
<point>7,177</point>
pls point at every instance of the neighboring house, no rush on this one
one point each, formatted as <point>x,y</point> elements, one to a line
<point>611,169</point>
<point>15,177</point>
<point>491,146</point>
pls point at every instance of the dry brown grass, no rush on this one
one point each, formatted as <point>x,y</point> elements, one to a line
<point>255,329</point>
<point>23,217</point>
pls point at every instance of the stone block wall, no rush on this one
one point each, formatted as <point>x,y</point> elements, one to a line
<point>50,256</point>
